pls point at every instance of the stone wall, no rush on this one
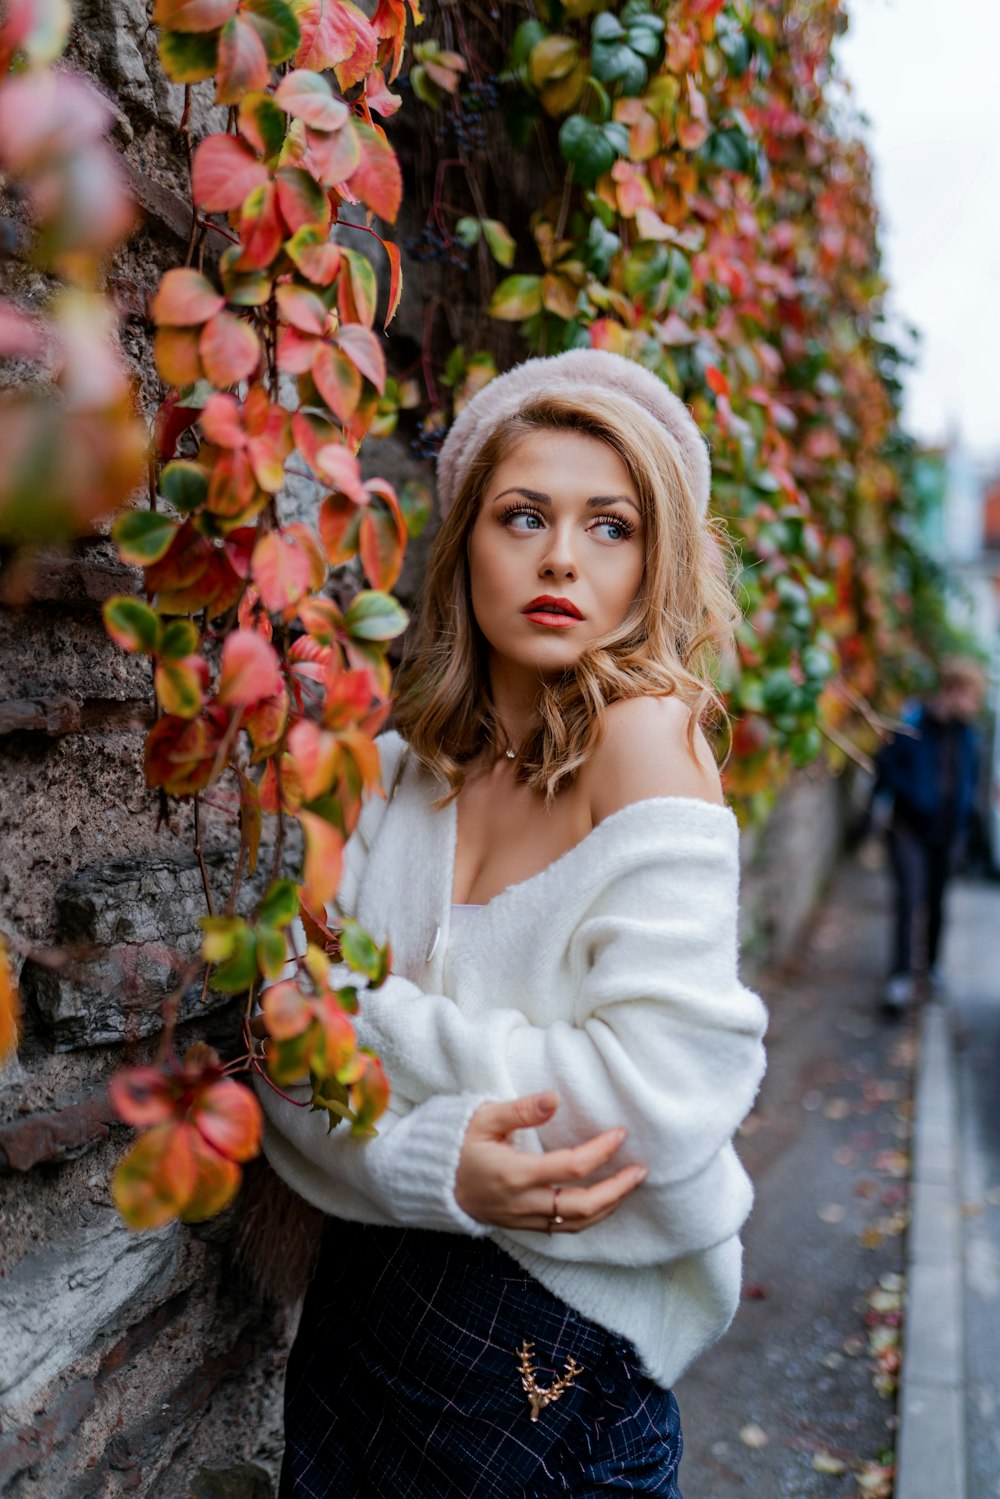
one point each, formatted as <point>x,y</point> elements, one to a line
<point>140,1363</point>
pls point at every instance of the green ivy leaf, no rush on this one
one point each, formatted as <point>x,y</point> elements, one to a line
<point>280,905</point>
<point>184,484</point>
<point>276,25</point>
<point>372,615</point>
<point>143,536</point>
<point>132,624</point>
<point>516,298</point>
<point>606,28</point>
<point>525,39</point>
<point>586,147</point>
<point>271,952</point>
<point>500,241</point>
<point>468,231</point>
<point>358,950</point>
<point>189,57</point>
<point>179,639</point>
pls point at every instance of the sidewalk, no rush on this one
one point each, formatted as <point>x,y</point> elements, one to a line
<point>798,1400</point>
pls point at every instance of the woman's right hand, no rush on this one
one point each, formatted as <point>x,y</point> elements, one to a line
<point>509,1188</point>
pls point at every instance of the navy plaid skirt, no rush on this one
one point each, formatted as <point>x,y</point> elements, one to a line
<point>404,1382</point>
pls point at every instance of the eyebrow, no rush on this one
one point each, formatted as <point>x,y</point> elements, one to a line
<point>544,499</point>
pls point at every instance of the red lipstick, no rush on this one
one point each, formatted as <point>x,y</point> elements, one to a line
<point>547,610</point>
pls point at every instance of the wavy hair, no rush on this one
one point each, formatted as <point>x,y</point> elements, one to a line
<point>681,619</point>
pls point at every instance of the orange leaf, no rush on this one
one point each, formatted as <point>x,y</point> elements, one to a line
<point>216,1182</point>
<point>379,547</point>
<point>10,1008</point>
<point>340,528</point>
<point>307,96</point>
<point>363,349</point>
<point>185,299</point>
<point>260,227</point>
<point>716,381</point>
<point>157,1176</point>
<point>287,1012</point>
<point>369,1094</point>
<point>334,156</point>
<point>180,753</point>
<point>249,671</point>
<point>316,757</point>
<point>192,15</point>
<point>229,349</point>
<point>228,1115</point>
<point>338,380</point>
<point>324,856</point>
<point>335,34</point>
<point>221,421</point>
<point>336,466</point>
<point>281,571</point>
<point>395,279</point>
<point>339,1043</point>
<point>180,685</point>
<point>378,181</point>
<point>176,351</point>
<point>142,1096</point>
<point>242,65</point>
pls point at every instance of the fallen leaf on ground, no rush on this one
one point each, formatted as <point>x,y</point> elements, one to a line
<point>824,1462</point>
<point>753,1436</point>
<point>832,1212</point>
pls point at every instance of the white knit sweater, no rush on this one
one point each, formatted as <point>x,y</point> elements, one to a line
<point>611,977</point>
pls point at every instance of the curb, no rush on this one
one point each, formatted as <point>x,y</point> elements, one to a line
<point>931,1449</point>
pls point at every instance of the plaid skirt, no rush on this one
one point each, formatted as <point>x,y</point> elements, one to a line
<point>404,1382</point>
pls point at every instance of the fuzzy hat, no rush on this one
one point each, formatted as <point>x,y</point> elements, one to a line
<point>576,374</point>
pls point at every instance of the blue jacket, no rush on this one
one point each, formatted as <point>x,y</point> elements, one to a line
<point>913,768</point>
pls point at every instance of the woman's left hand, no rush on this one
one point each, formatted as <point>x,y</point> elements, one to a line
<point>509,1188</point>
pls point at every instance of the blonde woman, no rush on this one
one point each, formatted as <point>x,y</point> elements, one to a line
<point>546,1231</point>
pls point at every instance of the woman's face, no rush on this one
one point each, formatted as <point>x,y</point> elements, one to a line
<point>560,518</point>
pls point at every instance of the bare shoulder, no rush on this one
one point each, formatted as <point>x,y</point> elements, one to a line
<point>645,752</point>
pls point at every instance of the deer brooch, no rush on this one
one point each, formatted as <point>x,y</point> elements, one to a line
<point>538,1395</point>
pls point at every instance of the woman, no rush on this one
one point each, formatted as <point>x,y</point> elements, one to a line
<point>544,1233</point>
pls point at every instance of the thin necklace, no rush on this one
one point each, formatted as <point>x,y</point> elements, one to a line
<point>508,749</point>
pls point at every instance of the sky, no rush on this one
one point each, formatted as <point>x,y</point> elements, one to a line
<point>927,75</point>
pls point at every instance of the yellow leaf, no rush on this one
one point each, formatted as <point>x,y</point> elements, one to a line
<point>10,1008</point>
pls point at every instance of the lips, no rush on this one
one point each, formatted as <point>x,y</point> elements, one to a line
<point>546,604</point>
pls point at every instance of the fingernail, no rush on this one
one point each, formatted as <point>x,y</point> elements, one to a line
<point>619,1134</point>
<point>546,1102</point>
<point>641,1173</point>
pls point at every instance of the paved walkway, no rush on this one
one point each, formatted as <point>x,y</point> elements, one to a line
<point>798,1400</point>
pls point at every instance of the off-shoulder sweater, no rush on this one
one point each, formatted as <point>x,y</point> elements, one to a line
<point>611,976</point>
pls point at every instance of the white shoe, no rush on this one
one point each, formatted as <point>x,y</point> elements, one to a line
<point>898,993</point>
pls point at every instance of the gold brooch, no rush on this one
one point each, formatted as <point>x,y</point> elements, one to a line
<point>538,1395</point>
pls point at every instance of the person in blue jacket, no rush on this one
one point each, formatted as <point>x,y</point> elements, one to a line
<point>927,775</point>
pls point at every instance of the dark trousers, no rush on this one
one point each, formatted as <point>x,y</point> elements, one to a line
<point>921,871</point>
<point>404,1382</point>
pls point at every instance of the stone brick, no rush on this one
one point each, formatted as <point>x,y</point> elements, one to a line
<point>240,1481</point>
<point>140,919</point>
<point>59,1135</point>
<point>30,1444</point>
<point>52,715</point>
<point>57,1300</point>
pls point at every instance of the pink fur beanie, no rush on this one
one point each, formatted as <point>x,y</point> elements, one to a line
<point>577,375</point>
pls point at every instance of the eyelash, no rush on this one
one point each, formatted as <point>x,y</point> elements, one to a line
<point>623,524</point>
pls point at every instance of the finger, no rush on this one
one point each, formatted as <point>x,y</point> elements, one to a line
<point>575,1162</point>
<point>498,1120</point>
<point>576,1205</point>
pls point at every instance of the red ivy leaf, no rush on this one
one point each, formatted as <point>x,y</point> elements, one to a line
<point>243,65</point>
<point>249,670</point>
<point>229,349</point>
<point>193,15</point>
<point>223,171</point>
<point>335,34</point>
<point>378,181</point>
<point>362,347</point>
<point>185,299</point>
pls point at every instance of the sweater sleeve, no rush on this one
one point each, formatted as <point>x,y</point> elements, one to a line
<point>665,1040</point>
<point>404,1176</point>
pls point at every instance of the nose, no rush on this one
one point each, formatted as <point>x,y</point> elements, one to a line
<point>559,559</point>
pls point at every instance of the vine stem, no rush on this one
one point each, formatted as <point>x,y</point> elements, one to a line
<point>200,855</point>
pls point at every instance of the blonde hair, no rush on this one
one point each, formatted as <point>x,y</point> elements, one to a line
<point>682,617</point>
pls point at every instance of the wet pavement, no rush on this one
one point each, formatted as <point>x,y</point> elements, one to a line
<point>798,1400</point>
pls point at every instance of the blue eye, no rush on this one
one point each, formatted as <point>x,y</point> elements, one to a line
<point>515,510</point>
